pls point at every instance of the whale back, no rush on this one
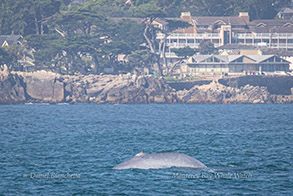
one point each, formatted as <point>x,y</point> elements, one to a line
<point>160,160</point>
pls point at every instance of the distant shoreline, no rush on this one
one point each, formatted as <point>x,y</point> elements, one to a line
<point>48,87</point>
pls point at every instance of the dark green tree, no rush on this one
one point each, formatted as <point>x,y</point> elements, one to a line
<point>49,50</point>
<point>6,57</point>
<point>257,9</point>
<point>141,58</point>
<point>207,47</point>
<point>112,8</point>
<point>25,17</point>
<point>112,49</point>
<point>72,22</point>
<point>184,52</point>
<point>128,31</point>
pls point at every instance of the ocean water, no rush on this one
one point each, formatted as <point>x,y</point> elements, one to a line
<point>71,149</point>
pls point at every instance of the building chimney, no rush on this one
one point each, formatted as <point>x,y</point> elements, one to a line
<point>244,16</point>
<point>185,16</point>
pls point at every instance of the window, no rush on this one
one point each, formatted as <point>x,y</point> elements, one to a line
<point>203,26</point>
<point>217,26</point>
<point>190,41</point>
<point>270,60</point>
<point>277,59</point>
<point>240,40</point>
<point>283,41</point>
<point>208,60</point>
<point>237,26</point>
<point>182,41</point>
<point>217,60</point>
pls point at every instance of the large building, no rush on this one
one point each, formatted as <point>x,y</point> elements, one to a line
<point>239,29</point>
<point>234,29</point>
<point>220,64</point>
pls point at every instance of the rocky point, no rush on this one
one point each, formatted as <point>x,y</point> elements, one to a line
<point>48,87</point>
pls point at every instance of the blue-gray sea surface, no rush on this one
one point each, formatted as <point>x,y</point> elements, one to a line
<point>71,149</point>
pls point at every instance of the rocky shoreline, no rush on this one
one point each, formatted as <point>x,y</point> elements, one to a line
<point>48,87</point>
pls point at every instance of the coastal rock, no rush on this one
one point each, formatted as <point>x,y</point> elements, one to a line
<point>75,90</point>
<point>43,86</point>
<point>250,94</point>
<point>4,72</point>
<point>128,89</point>
<point>218,93</point>
<point>277,85</point>
<point>12,88</point>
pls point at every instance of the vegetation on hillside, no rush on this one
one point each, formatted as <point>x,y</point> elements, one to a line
<point>87,39</point>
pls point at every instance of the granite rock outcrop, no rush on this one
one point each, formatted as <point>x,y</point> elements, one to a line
<point>48,87</point>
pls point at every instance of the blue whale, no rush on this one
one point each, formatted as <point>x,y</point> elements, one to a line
<point>160,160</point>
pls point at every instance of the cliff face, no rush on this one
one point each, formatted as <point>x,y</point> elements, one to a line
<point>43,86</point>
<point>12,88</point>
<point>125,88</point>
<point>49,87</point>
<point>218,93</point>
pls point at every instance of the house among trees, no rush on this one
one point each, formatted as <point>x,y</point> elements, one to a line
<point>238,64</point>
<point>285,13</point>
<point>23,57</point>
<point>7,40</point>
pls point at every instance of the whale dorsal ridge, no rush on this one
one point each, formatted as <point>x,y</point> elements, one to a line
<point>139,154</point>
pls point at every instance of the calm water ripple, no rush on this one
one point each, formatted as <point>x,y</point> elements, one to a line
<point>71,149</point>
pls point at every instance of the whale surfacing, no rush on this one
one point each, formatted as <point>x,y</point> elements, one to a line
<point>160,160</point>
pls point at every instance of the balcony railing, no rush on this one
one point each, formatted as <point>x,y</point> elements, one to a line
<point>272,45</point>
<point>217,35</point>
<point>190,36</point>
<point>264,35</point>
<point>191,45</point>
<point>182,45</point>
